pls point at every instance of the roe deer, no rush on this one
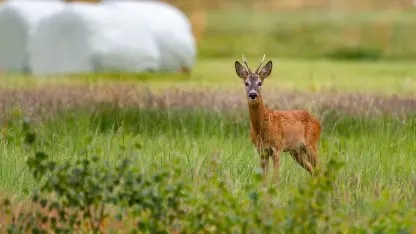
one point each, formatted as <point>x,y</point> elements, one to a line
<point>274,131</point>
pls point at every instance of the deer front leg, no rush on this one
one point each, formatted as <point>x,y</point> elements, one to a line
<point>276,164</point>
<point>264,160</point>
<point>263,153</point>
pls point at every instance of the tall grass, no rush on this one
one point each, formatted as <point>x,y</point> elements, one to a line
<point>378,153</point>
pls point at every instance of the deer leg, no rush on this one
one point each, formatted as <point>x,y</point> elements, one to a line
<point>276,164</point>
<point>309,156</point>
<point>264,160</point>
<point>276,159</point>
<point>312,133</point>
<point>313,157</point>
<point>296,157</point>
<point>307,165</point>
<point>308,159</point>
<point>300,156</point>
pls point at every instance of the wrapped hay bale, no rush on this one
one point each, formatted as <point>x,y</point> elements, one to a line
<point>85,38</point>
<point>171,28</point>
<point>17,22</point>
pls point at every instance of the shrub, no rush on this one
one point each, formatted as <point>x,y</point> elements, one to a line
<point>91,195</point>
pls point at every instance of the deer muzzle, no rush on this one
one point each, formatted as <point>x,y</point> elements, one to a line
<point>252,95</point>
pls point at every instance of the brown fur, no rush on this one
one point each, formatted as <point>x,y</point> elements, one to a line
<point>273,131</point>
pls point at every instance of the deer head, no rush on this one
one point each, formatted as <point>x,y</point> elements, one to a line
<point>253,81</point>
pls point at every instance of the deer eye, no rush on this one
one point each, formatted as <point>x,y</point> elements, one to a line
<point>246,83</point>
<point>259,84</point>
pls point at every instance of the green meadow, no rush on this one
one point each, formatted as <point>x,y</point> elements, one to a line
<point>171,153</point>
<point>375,182</point>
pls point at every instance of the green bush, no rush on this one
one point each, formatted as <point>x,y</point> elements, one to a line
<point>87,192</point>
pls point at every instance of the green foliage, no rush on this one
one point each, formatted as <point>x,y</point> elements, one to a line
<point>80,193</point>
<point>354,54</point>
<point>84,194</point>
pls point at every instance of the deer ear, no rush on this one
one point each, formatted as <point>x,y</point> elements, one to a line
<point>266,70</point>
<point>240,70</point>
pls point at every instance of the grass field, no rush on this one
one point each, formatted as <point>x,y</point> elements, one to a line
<point>383,78</point>
<point>204,116</point>
<point>346,35</point>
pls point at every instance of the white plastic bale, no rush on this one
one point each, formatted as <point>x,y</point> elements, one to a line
<point>87,38</point>
<point>17,22</point>
<point>171,28</point>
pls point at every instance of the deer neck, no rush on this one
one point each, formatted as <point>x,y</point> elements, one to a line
<point>257,112</point>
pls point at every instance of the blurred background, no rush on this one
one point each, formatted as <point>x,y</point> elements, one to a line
<point>302,29</point>
<point>336,29</point>
<point>197,123</point>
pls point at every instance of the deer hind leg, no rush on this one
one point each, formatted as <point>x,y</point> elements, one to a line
<point>313,155</point>
<point>310,153</point>
<point>312,133</point>
<point>301,156</point>
<point>309,159</point>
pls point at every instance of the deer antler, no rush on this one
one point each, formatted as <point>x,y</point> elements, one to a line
<point>245,62</point>
<point>262,60</point>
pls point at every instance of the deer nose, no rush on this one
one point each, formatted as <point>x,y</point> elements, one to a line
<point>252,95</point>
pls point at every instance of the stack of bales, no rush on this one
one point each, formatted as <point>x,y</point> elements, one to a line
<point>84,37</point>
<point>88,37</point>
<point>18,19</point>
<point>171,28</point>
